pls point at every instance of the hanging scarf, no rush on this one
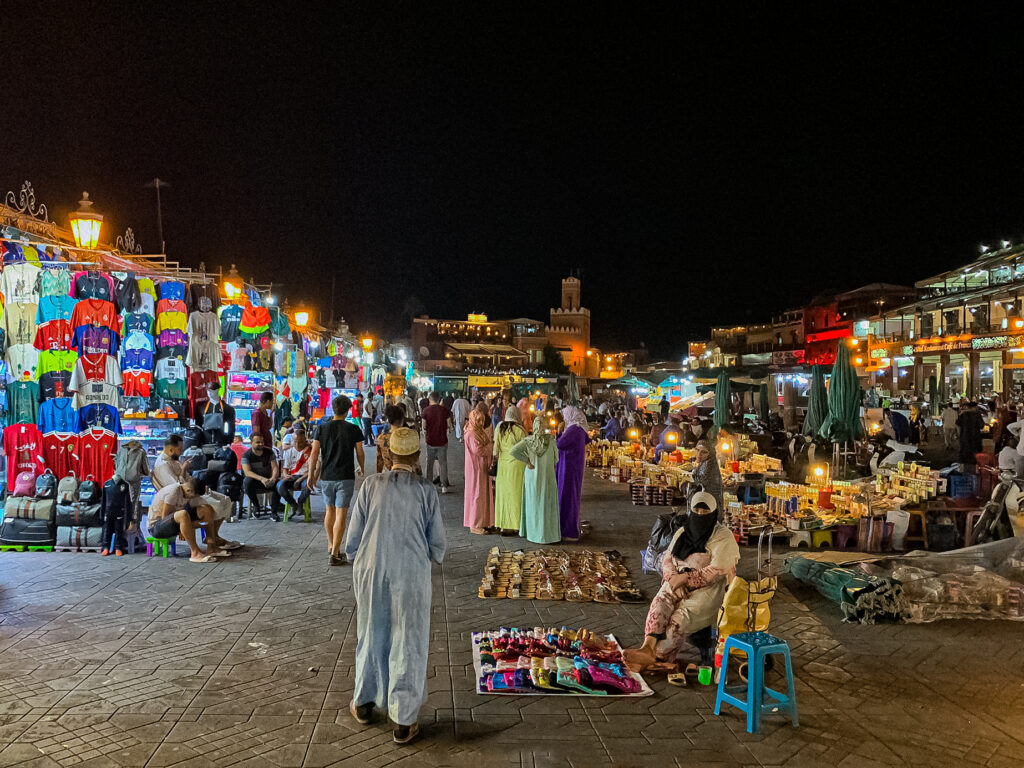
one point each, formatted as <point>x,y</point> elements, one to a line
<point>573,415</point>
<point>696,531</point>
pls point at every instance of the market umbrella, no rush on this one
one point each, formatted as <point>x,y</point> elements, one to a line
<point>844,395</point>
<point>817,402</point>
<point>723,402</point>
<point>762,403</point>
<point>933,395</point>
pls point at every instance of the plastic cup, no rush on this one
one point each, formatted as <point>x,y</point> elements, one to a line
<point>704,675</point>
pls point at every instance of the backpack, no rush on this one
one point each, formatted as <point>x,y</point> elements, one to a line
<point>46,485</point>
<point>192,437</point>
<point>89,491</point>
<point>67,489</point>
<point>24,484</point>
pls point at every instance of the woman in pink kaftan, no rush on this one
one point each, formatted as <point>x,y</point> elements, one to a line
<point>478,509</point>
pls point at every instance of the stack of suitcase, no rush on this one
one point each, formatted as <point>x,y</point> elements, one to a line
<point>80,526</point>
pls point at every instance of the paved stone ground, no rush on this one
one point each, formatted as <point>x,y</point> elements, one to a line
<point>138,662</point>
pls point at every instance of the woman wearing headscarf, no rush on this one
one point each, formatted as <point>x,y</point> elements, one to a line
<point>508,485</point>
<point>478,509</point>
<point>540,523</point>
<point>706,476</point>
<point>485,411</point>
<point>698,566</point>
<point>572,450</point>
<point>526,414</point>
<point>612,427</point>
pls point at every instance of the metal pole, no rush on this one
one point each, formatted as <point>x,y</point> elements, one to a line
<point>157,183</point>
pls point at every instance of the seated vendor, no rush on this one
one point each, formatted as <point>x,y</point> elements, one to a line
<point>697,568</point>
<point>175,511</point>
<point>612,429</point>
<point>670,439</point>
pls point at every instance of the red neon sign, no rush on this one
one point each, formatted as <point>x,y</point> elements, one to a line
<point>842,333</point>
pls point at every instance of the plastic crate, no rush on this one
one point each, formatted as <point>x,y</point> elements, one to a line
<point>963,486</point>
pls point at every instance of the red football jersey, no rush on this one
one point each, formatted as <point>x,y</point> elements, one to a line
<point>23,446</point>
<point>60,452</point>
<point>54,335</point>
<point>95,312</point>
<point>96,455</point>
<point>137,382</point>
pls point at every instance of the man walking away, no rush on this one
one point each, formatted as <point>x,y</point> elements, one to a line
<point>949,416</point>
<point>367,416</point>
<point>460,414</point>
<point>332,462</point>
<point>435,425</point>
<point>396,533</point>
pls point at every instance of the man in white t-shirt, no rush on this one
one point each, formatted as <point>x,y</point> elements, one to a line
<point>460,413</point>
<point>168,470</point>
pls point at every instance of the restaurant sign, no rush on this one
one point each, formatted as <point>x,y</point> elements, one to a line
<point>942,345</point>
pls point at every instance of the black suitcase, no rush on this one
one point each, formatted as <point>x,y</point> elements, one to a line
<point>39,533</point>
<point>230,484</point>
<point>79,514</point>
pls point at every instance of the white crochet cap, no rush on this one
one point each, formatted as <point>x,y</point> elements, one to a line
<point>703,497</point>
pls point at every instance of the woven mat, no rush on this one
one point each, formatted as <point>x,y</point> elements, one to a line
<point>576,575</point>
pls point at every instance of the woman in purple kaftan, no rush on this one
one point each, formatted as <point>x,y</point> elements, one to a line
<point>572,446</point>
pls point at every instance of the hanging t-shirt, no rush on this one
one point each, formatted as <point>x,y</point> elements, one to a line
<point>175,351</point>
<point>53,282</point>
<point>93,285</point>
<point>20,323</point>
<point>54,384</point>
<point>171,289</point>
<point>137,321</point>
<point>18,283</point>
<point>60,453</point>
<point>126,291</point>
<point>97,393</point>
<point>230,317</point>
<point>23,446</point>
<point>279,325</point>
<point>95,312</point>
<point>176,321</point>
<point>170,369</point>
<point>148,305</point>
<point>91,368</point>
<point>138,382</point>
<point>138,358</point>
<point>96,455</point>
<point>91,339</point>
<point>99,417</point>
<point>203,327</point>
<point>62,360</point>
<point>147,287</point>
<point>22,359</point>
<point>171,305</point>
<point>202,291</point>
<point>139,340</point>
<point>255,320</point>
<point>172,338</point>
<point>55,307</point>
<point>22,402</point>
<point>58,415</point>
<point>54,335</point>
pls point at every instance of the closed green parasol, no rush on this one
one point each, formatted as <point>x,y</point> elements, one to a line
<point>843,421</point>
<point>933,396</point>
<point>762,403</point>
<point>817,402</point>
<point>723,402</point>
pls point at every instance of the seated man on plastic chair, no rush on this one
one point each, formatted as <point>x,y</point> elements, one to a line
<point>671,438</point>
<point>175,511</point>
<point>261,471</point>
<point>695,572</point>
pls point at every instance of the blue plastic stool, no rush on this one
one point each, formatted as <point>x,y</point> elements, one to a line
<point>757,646</point>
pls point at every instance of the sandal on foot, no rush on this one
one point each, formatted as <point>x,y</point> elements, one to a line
<point>203,559</point>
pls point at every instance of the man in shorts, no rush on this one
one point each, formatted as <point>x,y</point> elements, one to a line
<point>174,511</point>
<point>331,462</point>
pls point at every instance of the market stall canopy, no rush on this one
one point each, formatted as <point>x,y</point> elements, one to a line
<point>735,372</point>
<point>489,350</point>
<point>631,381</point>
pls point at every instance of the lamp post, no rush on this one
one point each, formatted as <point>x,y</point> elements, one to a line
<point>85,224</point>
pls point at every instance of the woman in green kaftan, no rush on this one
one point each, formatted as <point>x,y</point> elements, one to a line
<point>540,523</point>
<point>508,485</point>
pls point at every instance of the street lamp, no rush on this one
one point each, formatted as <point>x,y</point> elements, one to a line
<point>302,319</point>
<point>367,343</point>
<point>85,224</point>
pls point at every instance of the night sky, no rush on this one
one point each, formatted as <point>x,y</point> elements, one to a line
<point>449,158</point>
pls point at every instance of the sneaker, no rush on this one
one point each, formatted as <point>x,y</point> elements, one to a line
<point>275,517</point>
<point>406,733</point>
<point>363,713</point>
<point>444,489</point>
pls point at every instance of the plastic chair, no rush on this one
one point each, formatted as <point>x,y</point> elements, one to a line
<point>757,646</point>
<point>160,547</point>
<point>307,511</point>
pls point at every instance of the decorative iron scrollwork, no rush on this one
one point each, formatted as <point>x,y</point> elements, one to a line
<point>26,202</point>
<point>126,242</point>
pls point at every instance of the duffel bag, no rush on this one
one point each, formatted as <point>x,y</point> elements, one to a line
<point>40,533</point>
<point>79,514</point>
<point>25,508</point>
<point>75,536</point>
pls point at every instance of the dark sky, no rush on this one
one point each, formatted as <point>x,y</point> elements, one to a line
<point>453,158</point>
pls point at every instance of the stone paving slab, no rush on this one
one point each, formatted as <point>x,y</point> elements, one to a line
<point>160,662</point>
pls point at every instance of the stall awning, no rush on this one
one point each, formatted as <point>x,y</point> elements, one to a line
<point>489,350</point>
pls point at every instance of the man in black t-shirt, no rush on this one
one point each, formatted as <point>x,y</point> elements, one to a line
<point>261,472</point>
<point>331,461</point>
